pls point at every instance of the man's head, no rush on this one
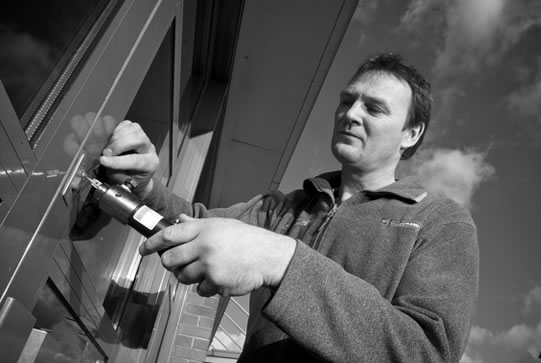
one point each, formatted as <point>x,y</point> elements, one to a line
<point>381,118</point>
<point>421,98</point>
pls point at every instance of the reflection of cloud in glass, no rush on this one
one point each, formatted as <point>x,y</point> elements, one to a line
<point>64,339</point>
<point>23,62</point>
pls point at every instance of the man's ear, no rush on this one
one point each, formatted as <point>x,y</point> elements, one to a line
<point>411,135</point>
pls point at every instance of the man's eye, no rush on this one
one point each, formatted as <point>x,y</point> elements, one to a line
<point>346,102</point>
<point>373,110</point>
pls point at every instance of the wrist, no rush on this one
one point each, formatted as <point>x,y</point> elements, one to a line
<point>144,192</point>
<point>283,250</point>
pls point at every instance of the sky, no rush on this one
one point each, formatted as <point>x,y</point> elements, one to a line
<point>482,148</point>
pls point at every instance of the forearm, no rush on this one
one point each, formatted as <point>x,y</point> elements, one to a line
<point>167,203</point>
<point>254,212</point>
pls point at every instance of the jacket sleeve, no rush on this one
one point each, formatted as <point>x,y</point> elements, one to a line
<point>257,211</point>
<point>342,318</point>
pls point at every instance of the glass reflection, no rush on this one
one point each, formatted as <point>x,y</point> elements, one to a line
<point>37,39</point>
<point>107,249</point>
<point>58,336</point>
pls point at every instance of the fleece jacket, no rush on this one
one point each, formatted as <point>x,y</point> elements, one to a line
<point>389,275</point>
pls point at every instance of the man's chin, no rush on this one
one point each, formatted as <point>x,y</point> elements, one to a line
<point>345,153</point>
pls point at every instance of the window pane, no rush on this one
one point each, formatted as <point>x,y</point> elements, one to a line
<point>107,249</point>
<point>58,335</point>
<point>38,39</point>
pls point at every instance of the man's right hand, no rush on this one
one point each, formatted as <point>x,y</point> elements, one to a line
<point>130,153</point>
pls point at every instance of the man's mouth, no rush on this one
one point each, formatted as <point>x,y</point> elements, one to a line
<point>347,133</point>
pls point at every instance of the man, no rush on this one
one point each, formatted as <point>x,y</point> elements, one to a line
<point>356,267</point>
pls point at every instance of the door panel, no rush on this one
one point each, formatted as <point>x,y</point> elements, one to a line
<point>59,334</point>
<point>59,241</point>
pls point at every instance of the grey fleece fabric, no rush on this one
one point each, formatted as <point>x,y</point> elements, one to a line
<point>387,276</point>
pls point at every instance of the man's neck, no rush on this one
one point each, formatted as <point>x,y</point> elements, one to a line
<point>355,182</point>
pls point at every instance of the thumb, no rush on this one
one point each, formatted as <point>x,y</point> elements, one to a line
<point>185,218</point>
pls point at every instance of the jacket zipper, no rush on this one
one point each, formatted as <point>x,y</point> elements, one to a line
<point>330,214</point>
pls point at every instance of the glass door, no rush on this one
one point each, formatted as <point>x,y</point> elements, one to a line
<point>43,45</point>
<point>57,249</point>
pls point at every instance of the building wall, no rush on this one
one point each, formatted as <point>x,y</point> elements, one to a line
<point>73,284</point>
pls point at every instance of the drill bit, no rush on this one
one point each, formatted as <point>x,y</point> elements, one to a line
<point>93,181</point>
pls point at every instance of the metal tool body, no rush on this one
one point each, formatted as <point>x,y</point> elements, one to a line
<point>120,203</point>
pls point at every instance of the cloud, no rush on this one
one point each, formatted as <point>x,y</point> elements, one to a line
<point>532,300</point>
<point>454,174</point>
<point>526,101</point>
<point>516,341</point>
<point>478,335</point>
<point>418,9</point>
<point>24,59</point>
<point>364,11</point>
<point>467,359</point>
<point>471,34</point>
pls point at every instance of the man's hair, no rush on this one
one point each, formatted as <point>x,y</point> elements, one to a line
<point>421,99</point>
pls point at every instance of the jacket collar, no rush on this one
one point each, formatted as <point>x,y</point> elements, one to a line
<point>407,189</point>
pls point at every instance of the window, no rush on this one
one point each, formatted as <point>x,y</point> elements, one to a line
<point>43,44</point>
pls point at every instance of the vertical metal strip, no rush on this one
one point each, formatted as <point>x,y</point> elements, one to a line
<point>47,105</point>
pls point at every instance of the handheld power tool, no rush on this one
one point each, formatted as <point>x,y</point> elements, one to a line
<point>119,202</point>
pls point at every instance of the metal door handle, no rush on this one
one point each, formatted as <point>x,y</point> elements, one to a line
<point>73,179</point>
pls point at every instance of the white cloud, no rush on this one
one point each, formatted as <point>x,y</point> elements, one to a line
<point>527,100</point>
<point>479,335</point>
<point>454,174</point>
<point>514,342</point>
<point>24,58</point>
<point>532,300</point>
<point>467,359</point>
<point>471,34</point>
<point>521,337</point>
<point>364,11</point>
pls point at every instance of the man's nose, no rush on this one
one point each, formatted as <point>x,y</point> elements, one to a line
<point>354,114</point>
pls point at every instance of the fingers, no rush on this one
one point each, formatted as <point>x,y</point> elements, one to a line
<point>136,162</point>
<point>174,235</point>
<point>185,218</point>
<point>180,256</point>
<point>128,136</point>
<point>190,274</point>
<point>207,289</point>
<point>194,273</point>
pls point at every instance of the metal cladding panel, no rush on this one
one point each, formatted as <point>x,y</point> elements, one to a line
<point>279,51</point>
<point>284,51</point>
<point>252,167</point>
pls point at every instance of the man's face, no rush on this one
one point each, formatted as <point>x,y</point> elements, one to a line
<point>369,123</point>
